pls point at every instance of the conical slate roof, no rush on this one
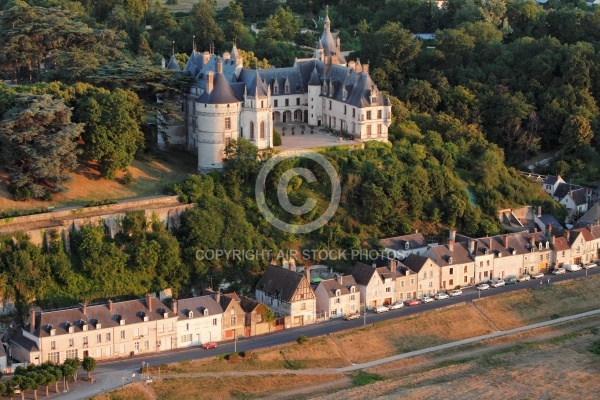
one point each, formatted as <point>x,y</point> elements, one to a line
<point>221,92</point>
<point>173,64</point>
<point>314,78</point>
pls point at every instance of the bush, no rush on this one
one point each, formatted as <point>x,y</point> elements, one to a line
<point>302,339</point>
<point>595,347</point>
<point>233,357</point>
<point>276,138</point>
<point>128,178</point>
<point>366,378</point>
<point>246,354</point>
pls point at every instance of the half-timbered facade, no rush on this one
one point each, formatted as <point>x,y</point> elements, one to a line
<point>288,292</point>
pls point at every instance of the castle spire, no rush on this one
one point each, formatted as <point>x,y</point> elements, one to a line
<point>173,48</point>
<point>193,43</point>
<point>327,21</point>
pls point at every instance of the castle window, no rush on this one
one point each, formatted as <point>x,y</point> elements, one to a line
<point>262,104</point>
<point>276,88</point>
<point>227,122</point>
<point>368,114</point>
<point>368,130</point>
<point>274,103</point>
<point>287,102</point>
<point>262,130</point>
<point>330,104</point>
<point>354,113</point>
<point>287,88</point>
<point>251,130</point>
<point>378,129</point>
<point>378,114</point>
<point>298,101</point>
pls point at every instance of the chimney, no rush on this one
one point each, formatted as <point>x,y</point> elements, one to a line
<point>491,243</point>
<point>84,308</point>
<point>539,214</point>
<point>226,56</point>
<point>552,240</point>
<point>110,307</point>
<point>205,57</point>
<point>568,234</point>
<point>450,244</point>
<point>471,246</point>
<point>532,238</point>
<point>453,235</point>
<point>506,241</point>
<point>218,297</point>
<point>416,231</point>
<point>351,65</point>
<point>32,321</point>
<point>292,265</point>
<point>209,82</point>
<point>307,273</point>
<point>340,279</point>
<point>365,68</point>
<point>357,66</point>
<point>149,301</point>
<point>174,306</point>
<point>219,66</point>
<point>549,230</point>
<point>393,265</point>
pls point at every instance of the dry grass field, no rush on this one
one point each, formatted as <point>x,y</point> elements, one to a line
<point>150,178</point>
<point>317,353</point>
<point>401,335</point>
<point>557,368</point>
<point>556,300</point>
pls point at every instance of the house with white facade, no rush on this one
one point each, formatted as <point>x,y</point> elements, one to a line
<point>101,331</point>
<point>427,273</point>
<point>377,284</point>
<point>288,293</point>
<point>337,297</point>
<point>199,320</point>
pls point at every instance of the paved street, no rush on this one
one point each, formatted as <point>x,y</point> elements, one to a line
<point>113,374</point>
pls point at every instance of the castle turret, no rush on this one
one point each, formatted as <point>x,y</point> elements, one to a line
<point>256,122</point>
<point>314,99</point>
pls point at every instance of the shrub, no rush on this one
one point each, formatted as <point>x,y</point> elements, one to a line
<point>128,178</point>
<point>302,339</point>
<point>276,138</point>
<point>594,331</point>
<point>292,364</point>
<point>365,378</point>
<point>246,354</point>
<point>595,347</point>
<point>233,357</point>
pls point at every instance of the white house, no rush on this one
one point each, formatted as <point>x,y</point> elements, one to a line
<point>199,320</point>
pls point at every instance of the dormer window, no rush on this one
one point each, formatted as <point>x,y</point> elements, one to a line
<point>547,244</point>
<point>275,88</point>
<point>352,289</point>
<point>338,292</point>
<point>406,246</point>
<point>287,88</point>
<point>191,314</point>
<point>449,260</point>
<point>344,94</point>
<point>540,246</point>
<point>205,312</point>
<point>514,252</point>
<point>324,89</point>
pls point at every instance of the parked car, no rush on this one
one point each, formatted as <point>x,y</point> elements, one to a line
<point>590,265</point>
<point>539,275</point>
<point>525,278</point>
<point>510,280</point>
<point>209,345</point>
<point>572,267</point>
<point>427,299</point>
<point>397,305</point>
<point>454,293</point>
<point>483,286</point>
<point>441,296</point>
<point>412,302</point>
<point>498,282</point>
<point>350,317</point>
<point>381,309</point>
<point>559,271</point>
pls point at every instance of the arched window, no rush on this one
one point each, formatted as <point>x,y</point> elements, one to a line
<point>262,129</point>
<point>251,130</point>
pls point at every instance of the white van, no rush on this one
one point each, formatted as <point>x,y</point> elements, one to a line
<point>572,267</point>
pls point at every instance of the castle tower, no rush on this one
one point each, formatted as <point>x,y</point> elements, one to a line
<point>256,122</point>
<point>217,113</point>
<point>315,105</point>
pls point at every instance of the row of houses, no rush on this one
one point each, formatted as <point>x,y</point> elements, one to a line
<point>414,268</point>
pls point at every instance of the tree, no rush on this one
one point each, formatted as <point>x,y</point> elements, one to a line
<point>206,29</point>
<point>89,365</point>
<point>38,143</point>
<point>282,26</point>
<point>112,134</point>
<point>69,368</point>
<point>234,22</point>
<point>241,158</point>
<point>576,133</point>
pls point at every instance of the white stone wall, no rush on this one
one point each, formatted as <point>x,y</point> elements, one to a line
<point>212,134</point>
<point>199,330</point>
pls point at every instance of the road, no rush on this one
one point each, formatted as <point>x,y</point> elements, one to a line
<point>115,373</point>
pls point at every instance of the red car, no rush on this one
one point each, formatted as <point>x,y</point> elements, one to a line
<point>209,345</point>
<point>413,302</point>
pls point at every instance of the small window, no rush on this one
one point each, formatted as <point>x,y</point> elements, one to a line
<point>227,122</point>
<point>368,114</point>
<point>122,334</point>
<point>275,103</point>
<point>378,114</point>
<point>191,315</point>
<point>108,337</point>
<point>214,322</point>
<point>251,130</point>
<point>262,130</point>
<point>451,271</point>
<point>330,104</point>
<point>298,101</point>
<point>287,102</point>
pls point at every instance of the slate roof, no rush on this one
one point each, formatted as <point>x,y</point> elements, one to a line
<point>519,243</point>
<point>257,87</point>
<point>441,254</point>
<point>549,219</point>
<point>332,285</point>
<point>562,190</point>
<point>415,262</point>
<point>550,180</point>
<point>132,311</point>
<point>314,78</point>
<point>26,343</point>
<point>363,273</point>
<point>579,196</point>
<point>197,305</point>
<point>414,240</point>
<point>595,230</point>
<point>280,283</point>
<point>592,215</point>
<point>221,92</point>
<point>173,64</point>
<point>249,305</point>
